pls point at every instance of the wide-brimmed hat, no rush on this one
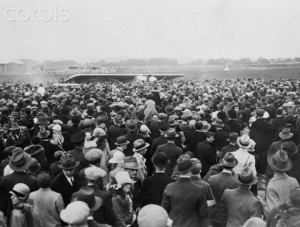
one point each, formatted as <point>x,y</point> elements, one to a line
<point>184,164</point>
<point>21,191</point>
<point>229,160</point>
<point>289,147</point>
<point>43,134</point>
<point>205,126</point>
<point>139,145</point>
<point>246,177</point>
<point>169,109</point>
<point>67,162</point>
<point>131,125</point>
<point>280,161</point>
<point>14,127</point>
<point>86,194</point>
<point>232,137</point>
<point>171,133</point>
<point>218,123</point>
<point>285,133</point>
<point>144,129</point>
<point>131,163</point>
<point>244,141</point>
<point>118,157</point>
<point>119,119</point>
<point>172,122</point>
<point>121,140</point>
<point>122,177</point>
<point>19,160</point>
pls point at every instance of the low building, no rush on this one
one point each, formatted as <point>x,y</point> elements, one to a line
<point>11,67</point>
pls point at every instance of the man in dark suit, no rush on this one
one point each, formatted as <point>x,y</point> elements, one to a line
<point>205,153</point>
<point>131,136</point>
<point>153,187</point>
<point>232,146</point>
<point>194,137</point>
<point>116,130</point>
<point>262,133</point>
<point>233,123</point>
<point>185,201</point>
<point>221,136</point>
<point>66,183</point>
<point>290,125</point>
<point>163,127</point>
<point>219,183</point>
<point>171,150</point>
<point>279,121</point>
<point>18,162</point>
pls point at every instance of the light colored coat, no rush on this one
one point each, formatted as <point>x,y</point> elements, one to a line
<point>244,159</point>
<point>49,205</point>
<point>278,190</point>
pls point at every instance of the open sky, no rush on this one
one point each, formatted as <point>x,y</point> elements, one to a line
<point>181,29</point>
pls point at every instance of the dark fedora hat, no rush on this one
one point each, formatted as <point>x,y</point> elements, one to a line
<point>280,161</point>
<point>43,134</point>
<point>67,161</point>
<point>78,137</point>
<point>184,164</point>
<point>86,194</point>
<point>246,177</point>
<point>171,133</point>
<point>160,159</point>
<point>172,122</point>
<point>131,125</point>
<point>289,147</point>
<point>20,160</point>
<point>232,137</point>
<point>169,109</point>
<point>218,123</point>
<point>121,140</point>
<point>163,126</point>
<point>285,133</point>
<point>229,160</point>
<point>42,121</point>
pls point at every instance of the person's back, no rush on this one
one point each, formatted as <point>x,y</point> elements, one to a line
<point>47,202</point>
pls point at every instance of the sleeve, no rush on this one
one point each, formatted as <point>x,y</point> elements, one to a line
<point>3,198</point>
<point>117,210</point>
<point>252,164</point>
<point>202,206</point>
<point>144,193</point>
<point>59,204</point>
<point>256,210</point>
<point>17,220</point>
<point>110,216</point>
<point>166,201</point>
<point>271,199</point>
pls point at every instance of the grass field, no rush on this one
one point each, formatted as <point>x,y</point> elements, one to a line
<point>191,73</point>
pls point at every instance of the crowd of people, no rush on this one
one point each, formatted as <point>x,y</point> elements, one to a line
<point>150,154</point>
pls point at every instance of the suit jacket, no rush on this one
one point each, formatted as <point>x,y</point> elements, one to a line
<point>50,149</point>
<point>60,184</point>
<point>156,142</point>
<point>241,205</point>
<point>206,187</point>
<point>234,126</point>
<point>7,184</point>
<point>131,137</point>
<point>192,139</point>
<point>206,155</point>
<point>173,153</point>
<point>153,188</point>
<point>49,205</point>
<point>218,184</point>
<point>295,171</point>
<point>262,133</point>
<point>154,128</point>
<point>220,139</point>
<point>113,132</point>
<point>278,123</point>
<point>185,209</point>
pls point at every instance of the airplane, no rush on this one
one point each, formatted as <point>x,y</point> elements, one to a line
<point>120,77</point>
